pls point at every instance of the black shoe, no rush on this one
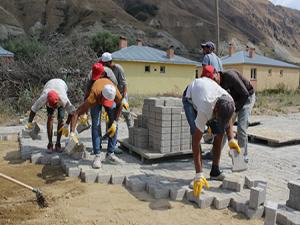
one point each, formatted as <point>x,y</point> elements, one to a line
<point>216,173</point>
<point>208,156</point>
<point>118,151</point>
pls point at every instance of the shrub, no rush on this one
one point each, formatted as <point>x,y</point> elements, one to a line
<point>70,59</point>
<point>104,42</point>
<point>24,48</point>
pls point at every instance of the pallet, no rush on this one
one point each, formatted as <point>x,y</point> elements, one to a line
<point>272,137</point>
<point>147,154</point>
<point>251,123</point>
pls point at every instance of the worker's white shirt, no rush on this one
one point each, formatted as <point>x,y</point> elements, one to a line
<point>61,88</point>
<point>203,94</point>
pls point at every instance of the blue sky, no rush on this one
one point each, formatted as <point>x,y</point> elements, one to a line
<point>295,4</point>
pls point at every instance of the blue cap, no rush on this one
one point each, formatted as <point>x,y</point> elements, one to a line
<point>208,44</point>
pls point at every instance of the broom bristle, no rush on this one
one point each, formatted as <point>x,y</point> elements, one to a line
<point>41,200</point>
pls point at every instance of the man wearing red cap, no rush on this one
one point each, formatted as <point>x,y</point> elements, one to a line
<point>243,95</point>
<point>103,93</point>
<point>54,96</point>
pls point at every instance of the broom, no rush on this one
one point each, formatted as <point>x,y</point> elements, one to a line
<point>39,196</point>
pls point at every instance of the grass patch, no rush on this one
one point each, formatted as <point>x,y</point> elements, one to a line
<point>277,101</point>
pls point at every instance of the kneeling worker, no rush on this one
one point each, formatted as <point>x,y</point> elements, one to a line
<point>205,101</point>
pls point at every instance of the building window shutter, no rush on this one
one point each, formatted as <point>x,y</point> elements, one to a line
<point>253,74</point>
<point>281,73</point>
<point>147,69</point>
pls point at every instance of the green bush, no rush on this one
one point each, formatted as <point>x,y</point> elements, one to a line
<point>24,48</point>
<point>104,42</point>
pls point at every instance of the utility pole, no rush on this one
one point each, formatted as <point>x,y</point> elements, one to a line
<point>217,26</point>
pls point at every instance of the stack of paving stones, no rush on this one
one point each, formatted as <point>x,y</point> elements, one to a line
<point>162,127</point>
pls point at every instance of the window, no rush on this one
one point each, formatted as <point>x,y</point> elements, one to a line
<point>162,69</point>
<point>270,72</point>
<point>196,73</point>
<point>253,74</point>
<point>281,73</point>
<point>147,69</point>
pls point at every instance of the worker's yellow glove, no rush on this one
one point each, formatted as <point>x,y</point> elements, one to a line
<point>84,120</point>
<point>112,130</point>
<point>199,182</point>
<point>234,145</point>
<point>125,104</point>
<point>74,137</point>
<point>105,116</point>
<point>64,130</point>
<point>29,125</point>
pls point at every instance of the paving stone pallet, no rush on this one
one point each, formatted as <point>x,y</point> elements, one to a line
<point>146,154</point>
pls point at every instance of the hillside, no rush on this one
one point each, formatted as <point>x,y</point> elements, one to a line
<point>274,30</point>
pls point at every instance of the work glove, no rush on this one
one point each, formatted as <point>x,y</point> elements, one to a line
<point>74,137</point>
<point>112,130</point>
<point>199,182</point>
<point>84,120</point>
<point>125,104</point>
<point>64,130</point>
<point>29,125</point>
<point>105,116</point>
<point>234,145</point>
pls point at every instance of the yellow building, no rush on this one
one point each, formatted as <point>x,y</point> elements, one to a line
<point>263,72</point>
<point>150,71</point>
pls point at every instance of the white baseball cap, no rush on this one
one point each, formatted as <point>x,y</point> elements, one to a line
<point>106,57</point>
<point>109,94</point>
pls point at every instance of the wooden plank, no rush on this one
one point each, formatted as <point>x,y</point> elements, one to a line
<point>151,154</point>
<point>273,136</point>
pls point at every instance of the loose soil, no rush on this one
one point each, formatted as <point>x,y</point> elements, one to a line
<point>73,202</point>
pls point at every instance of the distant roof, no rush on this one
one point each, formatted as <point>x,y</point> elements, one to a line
<point>136,53</point>
<point>242,57</point>
<point>5,53</point>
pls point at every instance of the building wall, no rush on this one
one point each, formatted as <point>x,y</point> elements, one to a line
<point>265,80</point>
<point>173,81</point>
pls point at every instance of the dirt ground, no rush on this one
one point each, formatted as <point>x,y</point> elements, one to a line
<point>73,202</point>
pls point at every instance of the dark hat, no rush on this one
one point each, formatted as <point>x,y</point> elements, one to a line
<point>208,44</point>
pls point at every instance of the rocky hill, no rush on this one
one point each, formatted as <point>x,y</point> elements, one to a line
<point>274,30</point>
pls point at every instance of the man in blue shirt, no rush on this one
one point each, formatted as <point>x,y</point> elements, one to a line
<point>210,58</point>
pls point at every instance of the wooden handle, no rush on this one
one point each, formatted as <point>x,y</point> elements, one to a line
<point>16,181</point>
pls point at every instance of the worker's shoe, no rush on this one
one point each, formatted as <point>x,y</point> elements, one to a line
<point>49,148</point>
<point>97,162</point>
<point>118,151</point>
<point>208,156</point>
<point>113,159</point>
<point>246,159</point>
<point>216,173</point>
<point>58,148</point>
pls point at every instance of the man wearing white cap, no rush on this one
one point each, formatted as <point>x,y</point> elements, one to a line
<point>106,60</point>
<point>103,93</point>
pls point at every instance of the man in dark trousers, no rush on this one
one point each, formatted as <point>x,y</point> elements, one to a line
<point>243,95</point>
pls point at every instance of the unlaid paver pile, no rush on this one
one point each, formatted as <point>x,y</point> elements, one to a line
<point>162,126</point>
